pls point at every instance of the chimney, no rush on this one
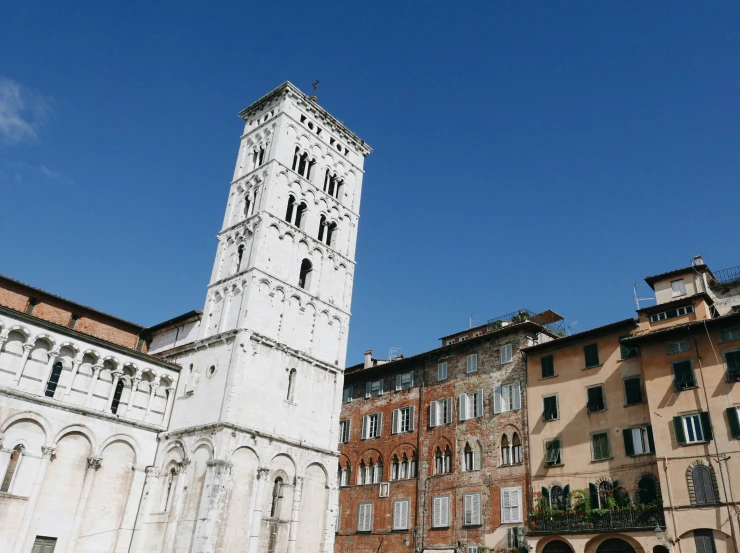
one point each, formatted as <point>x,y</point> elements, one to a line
<point>399,356</point>
<point>368,359</point>
<point>698,260</point>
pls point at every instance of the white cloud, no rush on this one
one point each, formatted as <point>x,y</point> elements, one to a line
<point>21,112</point>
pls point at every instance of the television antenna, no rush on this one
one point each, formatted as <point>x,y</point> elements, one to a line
<point>567,329</point>
<point>635,296</point>
<point>392,352</point>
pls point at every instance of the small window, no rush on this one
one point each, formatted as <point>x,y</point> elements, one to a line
<point>557,498</point>
<point>506,354</point>
<point>638,441</point>
<point>550,408</point>
<point>548,366</point>
<point>553,455</point>
<point>600,443</point>
<point>51,384</point>
<point>347,394</point>
<point>703,485</point>
<point>632,390</point>
<point>365,518</point>
<point>440,412</point>
<point>117,397</point>
<point>443,461</point>
<point>729,335</point>
<point>344,431</point>
<point>277,496</point>
<point>591,354</point>
<point>627,352</point>
<point>440,511</point>
<point>304,278</point>
<point>401,514</point>
<point>678,288</point>
<point>371,426</point>
<point>511,505</point>
<point>404,381</point>
<point>672,313</point>
<point>507,397</point>
<point>678,347</point>
<point>683,375</point>
<point>471,509</point>
<point>596,399</point>
<point>374,388</point>
<point>403,420</point>
<point>732,359</point>
<point>442,371</point>
<point>44,545</point>
<point>691,429</point>
<point>472,363</point>
<point>470,406</point>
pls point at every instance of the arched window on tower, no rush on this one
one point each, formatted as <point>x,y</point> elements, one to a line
<point>505,451</point>
<point>261,159</point>
<point>331,234</point>
<point>295,158</point>
<point>247,205</point>
<point>289,211</point>
<point>322,224</point>
<point>439,466</point>
<point>332,182</point>
<point>304,278</point>
<point>412,466</point>
<point>299,216</point>
<point>117,396</point>
<point>303,165</point>
<point>404,467</point>
<point>13,465</point>
<point>291,384</point>
<point>51,384</point>
<point>171,478</point>
<point>469,458</point>
<point>239,256</point>
<point>309,170</point>
<point>340,185</point>
<point>277,495</point>
<point>326,179</point>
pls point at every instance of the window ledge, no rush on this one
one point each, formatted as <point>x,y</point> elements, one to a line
<point>633,404</point>
<point>685,389</point>
<point>592,367</point>
<point>7,495</point>
<point>547,377</point>
<point>597,411</point>
<point>642,454</point>
<point>702,442</point>
<point>554,466</point>
<point>610,458</point>
<point>510,465</point>
<point>550,420</point>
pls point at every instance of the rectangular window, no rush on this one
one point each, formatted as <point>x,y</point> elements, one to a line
<point>627,352</point>
<point>472,363</point>
<point>440,511</point>
<point>374,388</point>
<point>506,354</point>
<point>442,371</point>
<point>471,549</point>
<point>704,541</point>
<point>404,381</point>
<point>507,397</point>
<point>471,509</point>
<point>365,518</point>
<point>596,399</point>
<point>470,406</point>
<point>678,347</point>
<point>732,358</point>
<point>44,545</point>
<point>600,444</point>
<point>440,412</point>
<point>401,514</point>
<point>550,408</point>
<point>347,394</point>
<point>511,505</point>
<point>548,366</point>
<point>683,375</point>
<point>344,431</point>
<point>678,287</point>
<point>729,335</point>
<point>632,390</point>
<point>403,420</point>
<point>638,441</point>
<point>591,354</point>
<point>692,429</point>
<point>672,313</point>
<point>371,425</point>
<point>553,454</point>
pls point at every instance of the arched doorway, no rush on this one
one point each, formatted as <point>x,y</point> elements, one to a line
<point>557,546</point>
<point>660,549</point>
<point>615,545</point>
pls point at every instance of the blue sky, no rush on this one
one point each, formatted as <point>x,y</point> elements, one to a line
<point>540,155</point>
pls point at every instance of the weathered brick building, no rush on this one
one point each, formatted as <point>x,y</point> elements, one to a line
<point>433,453</point>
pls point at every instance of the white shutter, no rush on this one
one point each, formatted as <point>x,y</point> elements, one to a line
<point>497,400</point>
<point>444,512</point>
<point>404,515</point>
<point>411,418</point>
<point>505,354</point>
<point>397,515</point>
<point>467,509</point>
<point>516,505</point>
<point>436,510</point>
<point>472,363</point>
<point>442,371</point>
<point>380,387</point>
<point>475,500</point>
<point>477,454</point>
<point>478,404</point>
<point>517,396</point>
<point>399,382</point>
<point>395,422</point>
<point>368,389</point>
<point>505,506</point>
<point>462,407</point>
<point>380,424</point>
<point>448,414</point>
<point>433,414</point>
<point>365,422</point>
<point>511,537</point>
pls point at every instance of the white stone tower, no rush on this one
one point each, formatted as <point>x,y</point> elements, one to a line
<point>249,461</point>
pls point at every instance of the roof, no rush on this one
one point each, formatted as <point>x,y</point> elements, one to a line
<point>288,87</point>
<point>176,321</point>
<point>732,318</point>
<point>683,300</point>
<point>70,302</point>
<point>591,332</point>
<point>651,280</point>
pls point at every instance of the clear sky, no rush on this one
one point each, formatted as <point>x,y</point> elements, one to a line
<point>540,155</point>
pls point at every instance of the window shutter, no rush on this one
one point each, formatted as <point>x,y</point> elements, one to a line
<point>475,508</point>
<point>445,511</point>
<point>433,414</point>
<point>629,445</point>
<point>364,427</point>
<point>411,418</point>
<point>546,495</point>
<point>477,458</point>
<point>369,517</point>
<point>436,511</point>
<point>380,387</point>
<point>442,371</point>
<point>706,425</point>
<point>399,384</point>
<point>478,404</point>
<point>396,420</point>
<point>680,434</point>
<point>497,400</point>
<point>517,395</point>
<point>462,407</point>
<point>516,505</point>
<point>734,422</point>
<point>472,363</point>
<point>396,515</point>
<point>548,366</point>
<point>593,493</point>
<point>505,355</point>
<point>448,416</point>
<point>368,389</point>
<point>361,518</point>
<point>505,506</point>
<point>411,379</point>
<point>651,441</point>
<point>380,423</point>
<point>704,541</point>
<point>404,515</point>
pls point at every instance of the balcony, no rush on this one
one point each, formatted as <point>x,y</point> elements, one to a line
<point>628,518</point>
<point>725,276</point>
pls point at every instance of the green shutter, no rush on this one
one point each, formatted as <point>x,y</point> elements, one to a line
<point>706,425</point>
<point>734,421</point>
<point>651,441</point>
<point>593,492</point>
<point>629,447</point>
<point>548,366</point>
<point>566,493</point>
<point>680,434</point>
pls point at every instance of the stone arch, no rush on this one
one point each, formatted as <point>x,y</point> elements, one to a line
<point>554,544</point>
<point>252,450</point>
<point>79,429</point>
<point>314,508</point>
<point>176,447</point>
<point>597,543</point>
<point>638,479</point>
<point>129,440</point>
<point>692,485</point>
<point>29,415</point>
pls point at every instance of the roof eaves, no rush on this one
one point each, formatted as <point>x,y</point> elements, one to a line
<point>730,318</point>
<point>609,327</point>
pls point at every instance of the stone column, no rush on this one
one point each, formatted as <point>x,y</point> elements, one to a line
<point>116,377</point>
<point>330,507</point>
<point>75,367</point>
<point>134,388</point>
<point>136,545</point>
<point>293,534</point>
<point>170,400</point>
<point>176,505</point>
<point>96,373</point>
<point>93,464</point>
<point>3,339</point>
<point>256,527</point>
<point>152,392</point>
<point>27,347</point>
<point>209,510</point>
<point>53,354</point>
<point>33,499</point>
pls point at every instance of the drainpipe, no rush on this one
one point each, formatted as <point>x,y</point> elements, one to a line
<point>670,500</point>
<point>418,451</point>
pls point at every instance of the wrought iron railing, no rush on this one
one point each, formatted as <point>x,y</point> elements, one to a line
<point>725,276</point>
<point>596,521</point>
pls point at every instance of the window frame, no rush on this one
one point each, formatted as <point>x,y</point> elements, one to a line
<point>645,432</point>
<point>627,352</point>
<point>361,520</point>
<point>371,384</point>
<point>366,434</point>
<point>345,427</point>
<point>551,366</point>
<point>440,367</point>
<point>591,350</point>
<point>626,395</point>
<point>405,381</point>
<point>674,313</point>
<point>729,335</point>
<point>681,291</point>
<point>471,361</point>
<point>394,522</point>
<point>473,521</point>
<point>678,350</point>
<point>731,374</point>
<point>436,407</point>
<point>507,510</point>
<point>695,418</point>
<point>608,446</point>
<point>557,407</point>
<point>445,500</point>
<point>695,384</point>
<point>506,351</point>
<point>560,452</point>
<point>588,398</point>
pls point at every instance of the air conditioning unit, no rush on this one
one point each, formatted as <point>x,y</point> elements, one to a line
<point>385,489</point>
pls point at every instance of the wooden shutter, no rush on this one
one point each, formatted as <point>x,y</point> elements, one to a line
<point>399,382</point>
<point>442,371</point>
<point>546,495</point>
<point>651,441</point>
<point>516,504</point>
<point>397,515</point>
<point>472,363</point>
<point>441,511</point>
<point>448,412</point>
<point>591,354</point>
<point>368,389</point>
<point>505,506</point>
<point>433,414</point>
<point>706,425</point>
<point>365,423</point>
<point>462,407</point>
<point>361,517</point>
<point>704,541</point>
<point>680,434</point>
<point>471,509</point>
<point>411,418</point>
<point>629,445</point>
<point>517,395</point>
<point>734,421</point>
<point>396,421</point>
<point>497,400</point>
<point>380,423</point>
<point>478,404</point>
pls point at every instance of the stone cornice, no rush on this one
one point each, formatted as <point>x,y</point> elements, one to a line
<point>203,343</point>
<point>299,354</point>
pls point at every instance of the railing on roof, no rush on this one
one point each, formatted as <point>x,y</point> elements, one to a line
<point>547,319</point>
<point>726,276</point>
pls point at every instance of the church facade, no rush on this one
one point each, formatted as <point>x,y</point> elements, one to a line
<point>215,431</point>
